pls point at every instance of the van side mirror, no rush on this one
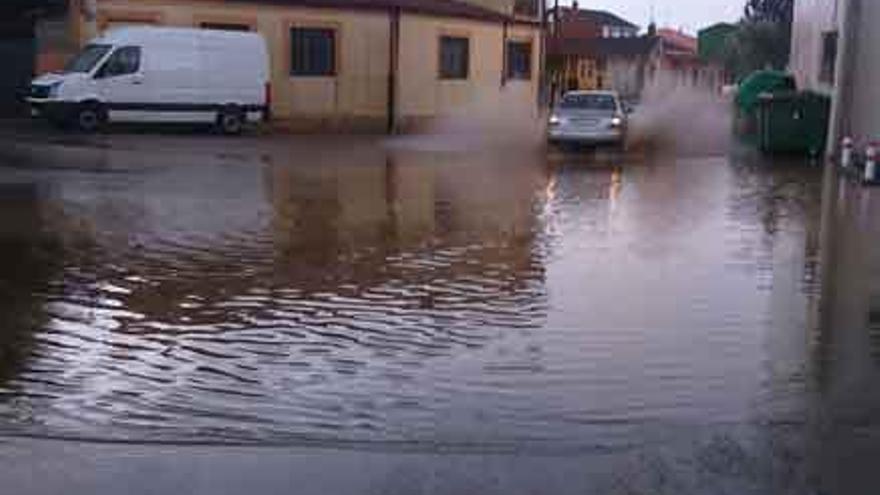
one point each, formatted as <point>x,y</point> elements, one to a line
<point>101,73</point>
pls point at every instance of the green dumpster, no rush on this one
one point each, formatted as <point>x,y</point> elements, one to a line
<point>748,98</point>
<point>793,122</point>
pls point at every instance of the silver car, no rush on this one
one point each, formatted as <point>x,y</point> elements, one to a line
<point>588,117</point>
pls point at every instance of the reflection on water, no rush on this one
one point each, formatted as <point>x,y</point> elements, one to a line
<point>370,294</point>
<point>261,300</point>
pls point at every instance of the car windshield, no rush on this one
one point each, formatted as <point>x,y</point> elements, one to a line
<point>588,102</point>
<point>87,59</point>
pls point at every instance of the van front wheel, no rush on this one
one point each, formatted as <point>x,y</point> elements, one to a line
<point>230,121</point>
<point>89,117</point>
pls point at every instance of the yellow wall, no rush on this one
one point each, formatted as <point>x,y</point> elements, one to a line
<point>586,72</point>
<point>357,96</point>
<point>423,94</point>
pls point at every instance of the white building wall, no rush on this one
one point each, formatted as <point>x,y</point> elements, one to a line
<point>811,19</point>
<point>864,116</point>
<point>860,114</point>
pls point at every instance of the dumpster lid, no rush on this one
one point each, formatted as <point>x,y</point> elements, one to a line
<point>781,95</point>
<point>762,81</point>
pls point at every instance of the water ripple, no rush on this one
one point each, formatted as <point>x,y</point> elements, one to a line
<point>394,303</point>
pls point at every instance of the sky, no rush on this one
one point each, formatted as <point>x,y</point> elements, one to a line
<point>691,15</point>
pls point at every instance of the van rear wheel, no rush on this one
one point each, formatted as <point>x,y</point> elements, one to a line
<point>89,117</point>
<point>230,121</point>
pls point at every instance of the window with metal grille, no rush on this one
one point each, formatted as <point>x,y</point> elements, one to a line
<point>312,52</point>
<point>454,57</point>
<point>829,57</point>
<point>519,60</point>
<point>525,7</point>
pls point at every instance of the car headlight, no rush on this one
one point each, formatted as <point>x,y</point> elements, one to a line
<point>555,120</point>
<point>54,89</point>
<point>616,122</point>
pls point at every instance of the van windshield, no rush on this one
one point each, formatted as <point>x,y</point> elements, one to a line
<point>589,101</point>
<point>87,59</point>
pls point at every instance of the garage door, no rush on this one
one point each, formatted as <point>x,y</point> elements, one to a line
<point>18,53</point>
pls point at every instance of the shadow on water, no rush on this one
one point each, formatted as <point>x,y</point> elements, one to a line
<point>32,253</point>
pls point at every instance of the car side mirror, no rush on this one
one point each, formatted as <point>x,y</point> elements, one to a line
<point>628,109</point>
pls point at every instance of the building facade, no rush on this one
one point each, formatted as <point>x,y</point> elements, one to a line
<point>835,51</point>
<point>594,49</point>
<point>681,64</point>
<point>356,64</point>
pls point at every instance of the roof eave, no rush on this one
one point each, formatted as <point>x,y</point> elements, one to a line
<point>441,8</point>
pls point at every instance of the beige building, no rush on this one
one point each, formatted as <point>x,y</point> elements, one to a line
<point>369,65</point>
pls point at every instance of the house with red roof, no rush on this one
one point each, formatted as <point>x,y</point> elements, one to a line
<point>595,49</point>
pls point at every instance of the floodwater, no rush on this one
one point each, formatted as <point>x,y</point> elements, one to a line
<point>713,310</point>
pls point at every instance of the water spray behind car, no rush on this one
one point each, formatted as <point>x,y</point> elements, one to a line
<point>673,117</point>
<point>494,123</point>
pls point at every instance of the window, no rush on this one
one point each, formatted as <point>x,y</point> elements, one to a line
<point>454,57</point>
<point>125,60</point>
<point>87,59</point>
<point>312,52</point>
<point>589,101</point>
<point>225,26</point>
<point>829,57</point>
<point>525,7</point>
<point>519,60</point>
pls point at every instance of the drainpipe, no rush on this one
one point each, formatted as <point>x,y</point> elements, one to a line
<point>393,63</point>
<point>504,54</point>
<point>543,85</point>
<point>557,79</point>
<point>839,125</point>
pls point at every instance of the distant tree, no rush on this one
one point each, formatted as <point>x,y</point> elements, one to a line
<point>775,11</point>
<point>757,45</point>
<point>763,37</point>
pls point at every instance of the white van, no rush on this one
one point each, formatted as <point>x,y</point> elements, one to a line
<point>157,74</point>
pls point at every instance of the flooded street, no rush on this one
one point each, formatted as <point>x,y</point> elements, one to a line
<point>691,323</point>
